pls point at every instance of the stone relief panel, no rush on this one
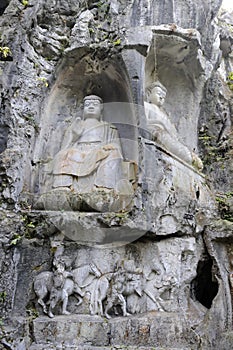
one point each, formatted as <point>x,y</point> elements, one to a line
<point>130,280</point>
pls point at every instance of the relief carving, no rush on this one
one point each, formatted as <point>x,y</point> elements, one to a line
<point>125,282</point>
<point>159,288</point>
<point>58,285</point>
<point>162,130</point>
<point>122,292</point>
<point>89,172</point>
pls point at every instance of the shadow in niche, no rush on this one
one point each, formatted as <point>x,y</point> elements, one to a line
<point>83,73</point>
<point>3,6</point>
<point>204,288</point>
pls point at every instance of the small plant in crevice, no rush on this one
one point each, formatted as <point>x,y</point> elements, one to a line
<point>212,149</point>
<point>5,51</point>
<point>27,230</point>
<point>3,295</point>
<point>225,205</point>
<point>31,120</point>
<point>5,54</point>
<point>230,80</point>
<point>16,239</point>
<point>32,313</point>
<point>25,3</point>
<point>102,29</point>
<point>43,81</point>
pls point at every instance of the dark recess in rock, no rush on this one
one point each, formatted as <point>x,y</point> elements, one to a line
<point>3,6</point>
<point>203,287</point>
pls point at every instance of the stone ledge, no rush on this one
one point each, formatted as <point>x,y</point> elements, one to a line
<point>111,229</point>
<point>155,329</point>
<point>116,347</point>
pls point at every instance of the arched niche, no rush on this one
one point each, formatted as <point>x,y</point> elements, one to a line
<point>174,59</point>
<point>84,72</point>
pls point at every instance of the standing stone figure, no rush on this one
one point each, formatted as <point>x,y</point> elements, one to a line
<point>162,129</point>
<point>58,292</point>
<point>90,170</point>
<point>125,283</point>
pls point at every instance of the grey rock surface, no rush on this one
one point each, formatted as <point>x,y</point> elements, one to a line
<point>160,274</point>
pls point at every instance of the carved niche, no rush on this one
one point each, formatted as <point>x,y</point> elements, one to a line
<point>173,78</point>
<point>86,155</point>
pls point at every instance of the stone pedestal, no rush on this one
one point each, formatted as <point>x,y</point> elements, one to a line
<point>156,329</point>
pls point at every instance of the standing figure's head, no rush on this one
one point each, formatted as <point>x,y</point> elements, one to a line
<point>156,93</point>
<point>93,106</point>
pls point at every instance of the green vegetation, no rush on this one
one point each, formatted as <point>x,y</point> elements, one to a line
<point>214,150</point>
<point>5,51</point>
<point>43,81</point>
<point>30,119</point>
<point>100,28</point>
<point>29,227</point>
<point>117,42</point>
<point>32,313</point>
<point>225,203</point>
<point>25,3</point>
<point>27,232</point>
<point>230,80</point>
<point>2,296</point>
<point>16,239</point>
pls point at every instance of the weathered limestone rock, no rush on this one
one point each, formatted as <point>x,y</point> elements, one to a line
<point>140,255</point>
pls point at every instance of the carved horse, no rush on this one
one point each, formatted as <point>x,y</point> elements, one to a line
<point>69,287</point>
<point>122,286</point>
<point>42,287</point>
<point>43,284</point>
<point>80,278</point>
<point>114,288</point>
<point>98,295</point>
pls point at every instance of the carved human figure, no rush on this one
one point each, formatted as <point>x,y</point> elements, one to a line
<point>159,283</point>
<point>57,287</point>
<point>115,296</point>
<point>124,283</point>
<point>90,167</point>
<point>162,129</point>
<point>58,292</point>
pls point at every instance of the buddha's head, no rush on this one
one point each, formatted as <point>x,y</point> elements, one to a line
<point>93,106</point>
<point>156,93</point>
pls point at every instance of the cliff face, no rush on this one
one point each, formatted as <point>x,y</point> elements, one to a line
<point>157,246</point>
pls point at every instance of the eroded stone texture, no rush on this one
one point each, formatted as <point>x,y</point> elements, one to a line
<point>156,274</point>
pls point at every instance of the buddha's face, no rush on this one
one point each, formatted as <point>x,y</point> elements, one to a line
<point>157,96</point>
<point>92,109</point>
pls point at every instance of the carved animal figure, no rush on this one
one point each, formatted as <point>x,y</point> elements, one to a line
<point>78,278</point>
<point>122,285</point>
<point>62,294</point>
<point>42,286</point>
<point>98,295</point>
